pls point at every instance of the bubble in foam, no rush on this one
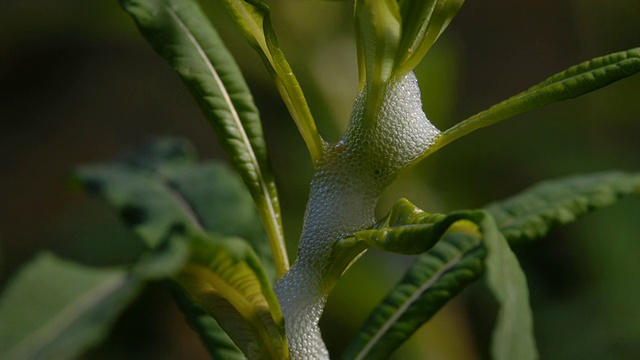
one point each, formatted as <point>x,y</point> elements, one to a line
<point>343,194</point>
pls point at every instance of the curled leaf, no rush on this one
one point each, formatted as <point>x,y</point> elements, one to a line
<point>224,277</point>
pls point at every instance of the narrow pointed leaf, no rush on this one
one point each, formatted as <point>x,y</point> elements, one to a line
<point>378,27</point>
<point>252,16</point>
<point>161,187</point>
<point>423,21</point>
<point>534,212</point>
<point>432,280</point>
<point>54,309</point>
<point>571,83</point>
<point>180,32</point>
<point>513,333</point>
<point>224,277</point>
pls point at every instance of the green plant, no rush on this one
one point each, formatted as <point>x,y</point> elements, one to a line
<point>198,226</point>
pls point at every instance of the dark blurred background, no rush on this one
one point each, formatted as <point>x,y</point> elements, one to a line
<point>79,84</point>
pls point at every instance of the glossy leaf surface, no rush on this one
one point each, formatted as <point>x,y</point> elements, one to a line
<point>180,32</point>
<point>54,309</point>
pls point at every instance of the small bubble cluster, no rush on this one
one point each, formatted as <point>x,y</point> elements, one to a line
<point>344,190</point>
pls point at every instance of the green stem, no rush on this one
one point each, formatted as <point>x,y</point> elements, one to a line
<point>273,227</point>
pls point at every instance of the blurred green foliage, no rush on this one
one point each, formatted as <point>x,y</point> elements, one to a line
<point>78,84</point>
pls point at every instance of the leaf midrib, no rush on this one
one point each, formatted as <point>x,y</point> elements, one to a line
<point>409,301</point>
<point>236,118</point>
<point>40,338</point>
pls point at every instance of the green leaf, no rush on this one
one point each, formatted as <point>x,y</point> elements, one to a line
<point>378,27</point>
<point>571,83</point>
<point>432,280</point>
<point>161,187</point>
<point>162,192</point>
<point>423,21</point>
<point>437,275</point>
<point>405,230</point>
<point>224,277</point>
<point>534,212</point>
<point>463,238</point>
<point>54,309</point>
<point>252,17</point>
<point>440,273</point>
<point>218,343</point>
<point>180,32</point>
<point>513,334</point>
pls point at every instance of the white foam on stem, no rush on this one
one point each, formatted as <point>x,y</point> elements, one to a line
<point>344,190</point>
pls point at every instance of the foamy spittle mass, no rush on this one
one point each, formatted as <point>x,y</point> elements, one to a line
<point>344,189</point>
